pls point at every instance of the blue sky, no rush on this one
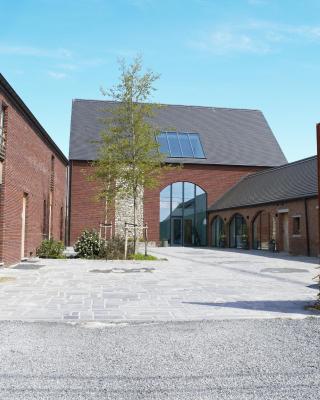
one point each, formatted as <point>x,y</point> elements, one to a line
<point>261,54</point>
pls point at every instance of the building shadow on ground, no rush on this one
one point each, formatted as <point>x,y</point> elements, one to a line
<point>268,254</point>
<point>277,306</point>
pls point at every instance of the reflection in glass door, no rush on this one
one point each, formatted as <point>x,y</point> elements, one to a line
<point>187,232</point>
<point>176,231</point>
<point>183,208</point>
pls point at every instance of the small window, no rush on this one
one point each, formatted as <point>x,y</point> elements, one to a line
<point>296,226</point>
<point>180,145</point>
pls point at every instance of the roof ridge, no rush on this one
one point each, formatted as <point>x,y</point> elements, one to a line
<point>268,170</point>
<point>175,105</point>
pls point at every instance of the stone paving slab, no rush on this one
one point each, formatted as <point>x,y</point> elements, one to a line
<point>193,284</point>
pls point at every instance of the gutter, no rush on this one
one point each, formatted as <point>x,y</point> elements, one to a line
<point>309,196</point>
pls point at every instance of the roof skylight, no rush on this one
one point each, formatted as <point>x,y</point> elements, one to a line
<point>180,145</point>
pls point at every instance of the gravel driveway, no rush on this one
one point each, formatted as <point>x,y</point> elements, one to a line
<point>193,284</point>
<point>216,360</point>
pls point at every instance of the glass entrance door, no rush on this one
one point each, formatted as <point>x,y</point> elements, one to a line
<point>176,231</point>
<point>183,221</point>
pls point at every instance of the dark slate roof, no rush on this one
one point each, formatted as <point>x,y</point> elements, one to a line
<point>291,181</point>
<point>9,91</point>
<point>229,136</point>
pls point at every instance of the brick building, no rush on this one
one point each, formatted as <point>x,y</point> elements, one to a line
<point>32,180</point>
<point>216,146</point>
<point>273,208</point>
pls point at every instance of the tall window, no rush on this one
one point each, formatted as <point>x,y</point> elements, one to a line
<point>238,232</point>
<point>296,225</point>
<point>217,233</point>
<point>261,231</point>
<point>183,214</point>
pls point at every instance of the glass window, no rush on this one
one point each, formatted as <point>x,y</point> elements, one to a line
<point>261,231</point>
<point>185,145</point>
<point>188,213</point>
<point>184,223</point>
<point>180,144</point>
<point>196,145</point>
<point>165,210</point>
<point>177,198</point>
<point>238,232</point>
<point>296,226</point>
<point>201,222</point>
<point>217,232</point>
<point>163,142</point>
<point>175,149</point>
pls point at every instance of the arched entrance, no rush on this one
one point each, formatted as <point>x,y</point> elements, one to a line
<point>183,208</point>
<point>238,232</point>
<point>261,231</point>
<point>217,232</point>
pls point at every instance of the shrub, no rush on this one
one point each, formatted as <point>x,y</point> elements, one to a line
<point>89,245</point>
<point>113,249</point>
<point>142,257</point>
<point>50,249</point>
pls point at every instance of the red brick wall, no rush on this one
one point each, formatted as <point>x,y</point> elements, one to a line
<point>297,243</point>
<point>86,212</point>
<point>27,170</point>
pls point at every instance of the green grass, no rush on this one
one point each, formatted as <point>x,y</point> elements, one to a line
<point>142,257</point>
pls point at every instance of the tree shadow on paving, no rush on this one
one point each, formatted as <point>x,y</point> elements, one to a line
<point>279,306</point>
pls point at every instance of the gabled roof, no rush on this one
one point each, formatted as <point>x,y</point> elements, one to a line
<point>228,136</point>
<point>16,99</point>
<point>291,181</point>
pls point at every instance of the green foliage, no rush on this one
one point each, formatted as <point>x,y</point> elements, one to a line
<point>89,245</point>
<point>142,257</point>
<point>113,249</point>
<point>128,153</point>
<point>51,249</point>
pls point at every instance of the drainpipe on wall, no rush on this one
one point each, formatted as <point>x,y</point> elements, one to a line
<point>69,180</point>
<point>307,226</point>
<point>318,159</point>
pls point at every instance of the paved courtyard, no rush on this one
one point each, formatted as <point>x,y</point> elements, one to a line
<point>192,284</point>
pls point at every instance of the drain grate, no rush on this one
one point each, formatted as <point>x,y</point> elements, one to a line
<point>123,270</point>
<point>28,266</point>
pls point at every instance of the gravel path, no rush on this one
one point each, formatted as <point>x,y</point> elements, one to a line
<point>235,359</point>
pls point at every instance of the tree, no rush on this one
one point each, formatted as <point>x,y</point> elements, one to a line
<point>129,158</point>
